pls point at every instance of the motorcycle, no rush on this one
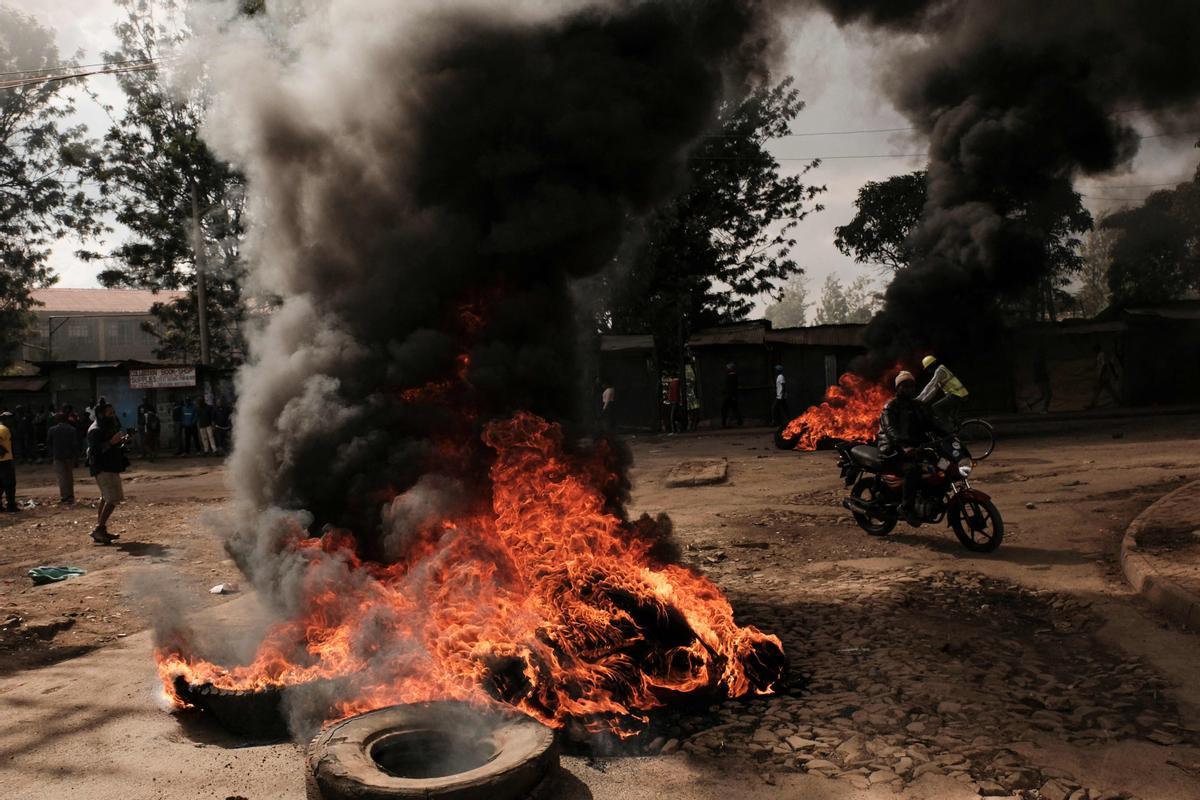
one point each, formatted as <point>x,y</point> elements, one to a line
<point>944,493</point>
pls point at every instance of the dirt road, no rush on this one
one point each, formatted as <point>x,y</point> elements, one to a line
<point>915,667</point>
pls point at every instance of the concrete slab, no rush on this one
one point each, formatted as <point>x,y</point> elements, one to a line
<point>698,472</point>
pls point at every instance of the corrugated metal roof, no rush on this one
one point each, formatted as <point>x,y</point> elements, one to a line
<point>99,301</point>
<point>820,335</point>
<point>614,342</point>
<point>22,384</point>
<point>739,333</point>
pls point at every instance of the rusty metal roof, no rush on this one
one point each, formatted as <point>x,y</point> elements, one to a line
<point>100,301</point>
<point>820,335</point>
<point>752,332</point>
<point>614,342</point>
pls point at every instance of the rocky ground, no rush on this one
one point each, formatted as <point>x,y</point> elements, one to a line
<point>161,530</point>
<point>917,670</point>
<point>910,657</point>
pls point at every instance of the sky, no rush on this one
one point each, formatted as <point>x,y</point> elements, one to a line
<point>836,72</point>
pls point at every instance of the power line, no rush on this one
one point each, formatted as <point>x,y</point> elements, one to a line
<point>810,158</point>
<point>21,83</point>
<point>62,67</point>
<point>1147,185</point>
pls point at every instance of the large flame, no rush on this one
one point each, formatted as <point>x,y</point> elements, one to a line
<point>541,598</point>
<point>850,411</point>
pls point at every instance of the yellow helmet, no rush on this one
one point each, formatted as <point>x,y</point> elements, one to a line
<point>904,376</point>
<point>928,361</point>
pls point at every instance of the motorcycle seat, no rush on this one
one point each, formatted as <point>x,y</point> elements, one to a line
<point>867,456</point>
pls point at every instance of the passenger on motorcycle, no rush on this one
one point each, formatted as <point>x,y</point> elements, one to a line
<point>903,426</point>
<point>944,390</point>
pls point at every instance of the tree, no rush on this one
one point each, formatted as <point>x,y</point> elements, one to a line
<point>183,207</point>
<point>1156,255</point>
<point>41,197</point>
<point>887,211</point>
<point>842,304</point>
<point>1093,295</point>
<point>725,240</point>
<point>791,310</point>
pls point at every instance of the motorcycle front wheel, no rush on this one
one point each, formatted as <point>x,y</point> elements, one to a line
<point>978,525</point>
<point>864,490</point>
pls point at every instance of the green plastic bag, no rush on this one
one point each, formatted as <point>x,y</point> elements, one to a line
<point>44,575</point>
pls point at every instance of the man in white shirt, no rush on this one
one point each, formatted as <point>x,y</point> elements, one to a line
<point>607,406</point>
<point>780,414</point>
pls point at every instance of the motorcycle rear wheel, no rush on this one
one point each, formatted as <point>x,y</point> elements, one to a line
<point>978,525</point>
<point>865,490</point>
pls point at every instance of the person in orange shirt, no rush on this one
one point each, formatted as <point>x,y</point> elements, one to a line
<point>8,474</point>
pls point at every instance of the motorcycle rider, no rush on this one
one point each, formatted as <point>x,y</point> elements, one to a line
<point>903,426</point>
<point>943,382</point>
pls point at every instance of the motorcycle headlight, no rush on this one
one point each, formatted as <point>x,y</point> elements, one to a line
<point>964,470</point>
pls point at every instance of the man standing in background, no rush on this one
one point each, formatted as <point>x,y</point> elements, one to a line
<point>204,423</point>
<point>729,397</point>
<point>780,414</point>
<point>223,424</point>
<point>62,443</point>
<point>8,473</point>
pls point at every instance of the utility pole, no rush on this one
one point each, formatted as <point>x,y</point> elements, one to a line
<point>200,254</point>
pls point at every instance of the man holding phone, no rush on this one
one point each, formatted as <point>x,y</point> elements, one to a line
<point>106,460</point>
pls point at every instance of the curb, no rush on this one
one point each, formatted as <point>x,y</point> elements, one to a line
<point>1167,597</point>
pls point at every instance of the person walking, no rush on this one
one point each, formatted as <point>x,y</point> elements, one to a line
<point>780,413</point>
<point>106,461</point>
<point>8,472</point>
<point>62,443</point>
<point>608,399</point>
<point>204,423</point>
<point>729,397</point>
<point>1107,380</point>
<point>676,416</point>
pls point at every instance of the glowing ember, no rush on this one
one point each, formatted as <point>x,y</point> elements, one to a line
<point>541,597</point>
<point>850,411</point>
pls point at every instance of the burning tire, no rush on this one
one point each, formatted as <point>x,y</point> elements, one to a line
<point>253,714</point>
<point>434,751</point>
<point>783,442</point>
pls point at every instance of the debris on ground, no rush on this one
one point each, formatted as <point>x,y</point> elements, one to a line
<point>698,472</point>
<point>43,575</point>
<point>223,588</point>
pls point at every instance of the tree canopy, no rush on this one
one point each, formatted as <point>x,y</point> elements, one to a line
<point>725,240</point>
<point>1156,253</point>
<point>841,304</point>
<point>42,197</point>
<point>888,212</point>
<point>159,174</point>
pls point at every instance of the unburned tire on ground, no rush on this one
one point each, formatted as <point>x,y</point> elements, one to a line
<point>431,751</point>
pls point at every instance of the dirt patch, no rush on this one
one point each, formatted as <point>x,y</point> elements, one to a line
<point>160,532</point>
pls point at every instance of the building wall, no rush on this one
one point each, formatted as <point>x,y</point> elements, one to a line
<point>67,336</point>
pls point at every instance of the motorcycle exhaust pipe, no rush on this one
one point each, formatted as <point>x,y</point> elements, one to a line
<point>860,507</point>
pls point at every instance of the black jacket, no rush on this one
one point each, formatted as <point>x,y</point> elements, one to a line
<point>904,423</point>
<point>103,455</point>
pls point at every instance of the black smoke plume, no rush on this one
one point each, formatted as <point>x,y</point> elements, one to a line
<point>427,182</point>
<point>1018,99</point>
